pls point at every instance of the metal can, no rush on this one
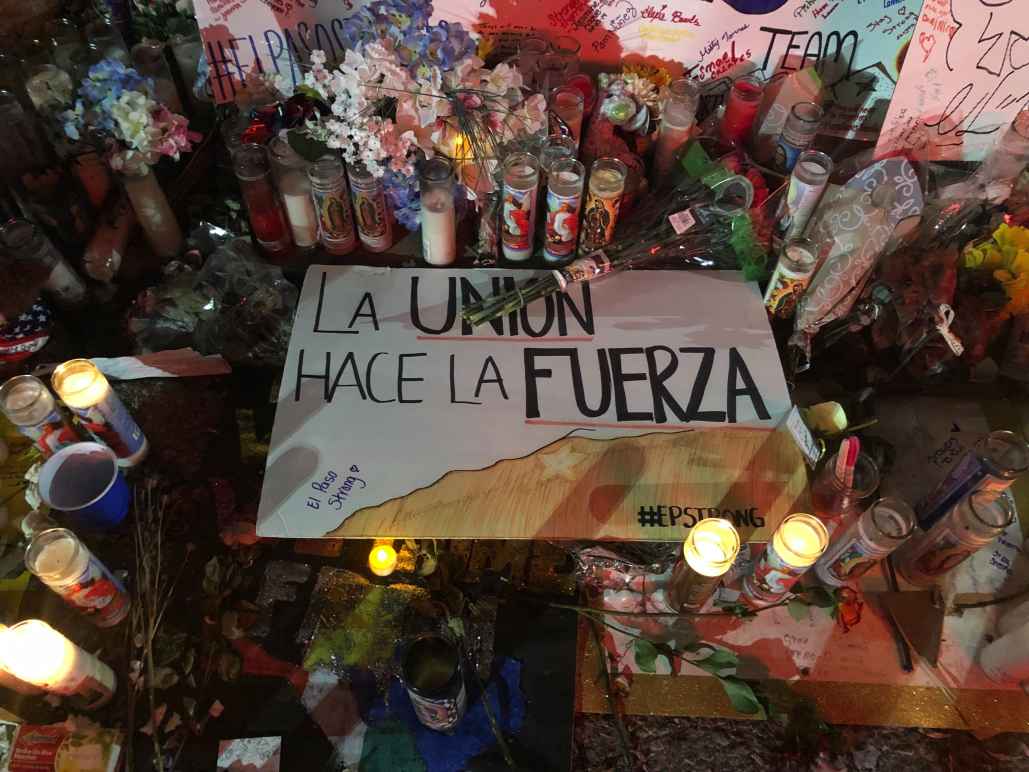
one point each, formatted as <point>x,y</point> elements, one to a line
<point>996,461</point>
<point>432,674</point>
<point>66,566</point>
<point>978,519</point>
<point>879,531</point>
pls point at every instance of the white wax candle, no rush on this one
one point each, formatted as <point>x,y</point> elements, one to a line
<point>39,655</point>
<point>295,188</point>
<point>439,228</point>
<point>84,388</point>
<point>799,541</point>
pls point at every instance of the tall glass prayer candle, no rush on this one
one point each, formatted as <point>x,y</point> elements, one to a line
<point>267,221</point>
<point>49,88</point>
<point>83,388</point>
<point>29,247</point>
<point>104,253</point>
<point>148,60</point>
<point>975,521</point>
<point>568,48</point>
<point>29,405</point>
<point>678,112</point>
<point>993,464</point>
<point>708,552</point>
<point>36,653</point>
<point>798,132</point>
<point>153,212</point>
<point>879,531</point>
<point>66,566</point>
<point>91,171</point>
<point>567,105</point>
<point>187,49</point>
<point>836,501</point>
<point>551,72</point>
<point>374,222</point>
<point>106,41</point>
<point>529,52</point>
<point>439,222</point>
<point>796,544</point>
<point>10,681</point>
<point>740,109</point>
<point>65,42</point>
<point>518,205</point>
<point>607,183</point>
<point>552,150</point>
<point>790,278</point>
<point>808,181</point>
<point>290,172</point>
<point>564,201</point>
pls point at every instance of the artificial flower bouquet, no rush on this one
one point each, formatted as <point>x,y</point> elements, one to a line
<point>117,104</point>
<point>407,90</point>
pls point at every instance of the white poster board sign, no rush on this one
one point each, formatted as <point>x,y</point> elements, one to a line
<point>860,44</point>
<point>385,390</point>
<point>964,80</point>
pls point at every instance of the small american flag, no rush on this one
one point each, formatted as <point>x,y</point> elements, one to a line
<point>27,334</point>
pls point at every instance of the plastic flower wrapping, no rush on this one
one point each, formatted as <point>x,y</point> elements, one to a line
<point>118,102</point>
<point>407,90</point>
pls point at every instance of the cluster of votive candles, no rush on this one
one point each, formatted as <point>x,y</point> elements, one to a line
<point>83,388</point>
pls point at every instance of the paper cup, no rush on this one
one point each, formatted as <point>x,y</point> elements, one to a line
<point>83,480</point>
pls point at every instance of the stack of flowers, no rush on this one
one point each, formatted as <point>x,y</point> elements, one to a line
<point>407,89</point>
<point>117,102</point>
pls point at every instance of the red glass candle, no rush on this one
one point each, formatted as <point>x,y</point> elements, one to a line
<point>741,109</point>
<point>267,220</point>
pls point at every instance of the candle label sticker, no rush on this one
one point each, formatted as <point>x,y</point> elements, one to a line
<point>584,269</point>
<point>796,208</point>
<point>97,593</point>
<point>690,588</point>
<point>786,155</point>
<point>942,551</point>
<point>562,227</point>
<point>372,220</point>
<point>440,714</point>
<point>600,220</point>
<point>853,560</point>
<point>811,449</point>
<point>518,217</point>
<point>51,434</point>
<point>784,291</point>
<point>773,575</point>
<point>682,221</point>
<point>109,422</point>
<point>334,219</point>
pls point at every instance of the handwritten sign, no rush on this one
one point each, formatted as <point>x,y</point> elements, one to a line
<point>858,45</point>
<point>964,80</point>
<point>386,391</point>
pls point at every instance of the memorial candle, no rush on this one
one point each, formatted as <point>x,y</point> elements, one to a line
<point>740,109</point>
<point>36,653</point>
<point>267,220</point>
<point>709,551</point>
<point>678,112</point>
<point>567,105</point>
<point>607,184</point>
<point>518,213</point>
<point>83,388</point>
<point>29,405</point>
<point>382,560</point>
<point>796,544</point>
<point>439,223</point>
<point>564,200</point>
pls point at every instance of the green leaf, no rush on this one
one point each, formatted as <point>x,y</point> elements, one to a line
<point>798,609</point>
<point>307,147</point>
<point>646,655</point>
<point>742,697</point>
<point>720,662</point>
<point>818,596</point>
<point>309,92</point>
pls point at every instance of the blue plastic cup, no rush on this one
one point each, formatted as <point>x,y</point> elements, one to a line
<point>83,480</point>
